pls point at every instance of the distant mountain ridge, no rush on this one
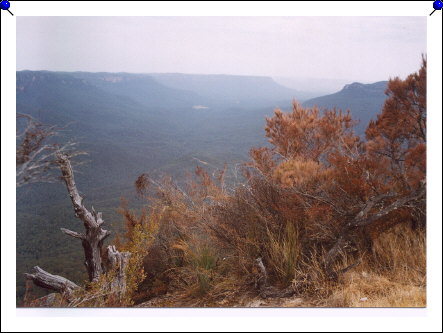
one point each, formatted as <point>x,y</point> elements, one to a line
<point>141,88</point>
<point>229,88</point>
<point>364,100</point>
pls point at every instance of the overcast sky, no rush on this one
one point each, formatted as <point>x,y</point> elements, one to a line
<point>365,49</point>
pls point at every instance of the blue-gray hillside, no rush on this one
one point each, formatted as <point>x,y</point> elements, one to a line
<point>364,100</point>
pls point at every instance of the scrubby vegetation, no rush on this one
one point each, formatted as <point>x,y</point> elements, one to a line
<point>321,214</point>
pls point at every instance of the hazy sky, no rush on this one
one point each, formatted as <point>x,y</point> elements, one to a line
<point>364,49</point>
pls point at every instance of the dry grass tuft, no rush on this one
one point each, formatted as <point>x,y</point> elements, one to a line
<point>394,275</point>
<point>361,289</point>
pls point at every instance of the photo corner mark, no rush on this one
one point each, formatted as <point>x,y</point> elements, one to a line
<point>5,5</point>
<point>437,5</point>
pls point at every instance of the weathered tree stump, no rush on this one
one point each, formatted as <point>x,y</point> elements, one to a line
<point>119,262</point>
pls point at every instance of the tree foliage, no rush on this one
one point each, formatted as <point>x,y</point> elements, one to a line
<point>361,187</point>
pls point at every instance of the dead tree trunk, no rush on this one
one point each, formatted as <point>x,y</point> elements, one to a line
<point>118,262</point>
<point>262,278</point>
<point>92,239</point>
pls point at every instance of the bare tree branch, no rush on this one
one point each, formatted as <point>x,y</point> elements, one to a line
<point>73,233</point>
<point>35,155</point>
<point>54,282</point>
